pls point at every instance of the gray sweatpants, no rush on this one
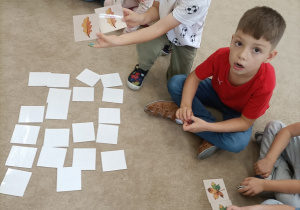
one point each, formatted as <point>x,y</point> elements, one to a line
<point>290,158</point>
<point>182,57</point>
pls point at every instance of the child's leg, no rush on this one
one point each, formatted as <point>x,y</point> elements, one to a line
<point>181,60</point>
<point>205,95</point>
<point>271,202</point>
<point>148,52</point>
<point>283,172</point>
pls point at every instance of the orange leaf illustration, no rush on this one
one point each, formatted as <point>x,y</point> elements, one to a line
<point>87,27</point>
<point>110,20</point>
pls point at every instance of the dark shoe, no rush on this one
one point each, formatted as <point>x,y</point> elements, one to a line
<point>136,77</point>
<point>165,109</point>
<point>206,150</point>
<point>258,137</point>
<point>166,50</point>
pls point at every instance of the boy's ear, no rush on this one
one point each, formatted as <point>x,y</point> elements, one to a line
<point>271,56</point>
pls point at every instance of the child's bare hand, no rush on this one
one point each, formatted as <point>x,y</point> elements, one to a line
<point>184,113</point>
<point>263,167</point>
<point>195,125</point>
<point>253,186</point>
<point>131,18</point>
<point>106,41</point>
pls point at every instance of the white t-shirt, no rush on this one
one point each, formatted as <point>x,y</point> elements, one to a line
<point>191,14</point>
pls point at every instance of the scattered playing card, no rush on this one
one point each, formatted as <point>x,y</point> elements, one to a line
<point>110,18</point>
<point>88,77</point>
<point>25,134</point>
<point>215,190</point>
<point>113,160</point>
<point>15,182</point>
<point>113,95</point>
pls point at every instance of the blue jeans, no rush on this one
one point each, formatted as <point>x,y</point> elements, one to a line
<point>206,96</point>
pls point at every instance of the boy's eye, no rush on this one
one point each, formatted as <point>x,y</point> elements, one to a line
<point>256,50</point>
<point>238,44</point>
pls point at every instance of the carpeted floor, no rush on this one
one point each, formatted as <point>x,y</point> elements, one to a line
<point>163,171</point>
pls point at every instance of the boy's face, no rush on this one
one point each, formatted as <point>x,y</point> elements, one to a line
<point>247,54</point>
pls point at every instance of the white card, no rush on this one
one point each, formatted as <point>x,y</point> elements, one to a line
<point>56,137</point>
<point>88,77</point>
<point>111,80</point>
<point>113,95</point>
<point>113,160</point>
<point>38,78</point>
<point>84,158</point>
<point>83,94</point>
<point>59,80</point>
<point>25,134</point>
<point>215,190</point>
<point>59,95</point>
<point>57,111</point>
<point>223,205</point>
<point>85,27</point>
<point>68,179</point>
<point>31,114</point>
<point>109,115</point>
<point>15,182</point>
<point>110,18</point>
<point>21,157</point>
<point>52,157</point>
<point>107,134</point>
<point>83,132</point>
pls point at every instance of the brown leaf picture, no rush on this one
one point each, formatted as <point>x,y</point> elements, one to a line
<point>110,20</point>
<point>87,27</point>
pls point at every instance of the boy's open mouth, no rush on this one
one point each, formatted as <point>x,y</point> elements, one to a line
<point>239,65</point>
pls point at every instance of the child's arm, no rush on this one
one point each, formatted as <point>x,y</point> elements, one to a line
<point>264,166</point>
<point>146,34</point>
<point>253,186</point>
<point>232,125</point>
<point>262,207</point>
<point>184,113</point>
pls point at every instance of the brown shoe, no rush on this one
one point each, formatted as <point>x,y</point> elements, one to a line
<point>165,109</point>
<point>206,150</point>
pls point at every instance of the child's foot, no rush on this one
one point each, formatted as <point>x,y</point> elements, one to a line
<point>206,150</point>
<point>166,50</point>
<point>258,137</point>
<point>136,77</point>
<point>165,109</point>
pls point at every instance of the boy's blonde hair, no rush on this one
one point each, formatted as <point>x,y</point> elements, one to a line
<point>263,22</point>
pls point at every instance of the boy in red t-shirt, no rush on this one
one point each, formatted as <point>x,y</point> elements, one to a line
<point>241,86</point>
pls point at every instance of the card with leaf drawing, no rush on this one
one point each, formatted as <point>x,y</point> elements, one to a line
<point>110,18</point>
<point>85,27</point>
<point>215,190</point>
<point>223,205</point>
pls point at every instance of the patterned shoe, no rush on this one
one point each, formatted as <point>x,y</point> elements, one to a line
<point>206,150</point>
<point>165,109</point>
<point>136,77</point>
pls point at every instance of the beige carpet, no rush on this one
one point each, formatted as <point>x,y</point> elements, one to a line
<point>163,171</point>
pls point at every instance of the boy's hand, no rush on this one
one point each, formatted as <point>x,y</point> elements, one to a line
<point>131,18</point>
<point>253,186</point>
<point>263,167</point>
<point>106,41</point>
<point>184,113</point>
<point>197,125</point>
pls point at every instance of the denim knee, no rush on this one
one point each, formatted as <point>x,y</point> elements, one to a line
<point>175,84</point>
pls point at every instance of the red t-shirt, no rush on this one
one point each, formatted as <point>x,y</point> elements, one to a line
<point>252,98</point>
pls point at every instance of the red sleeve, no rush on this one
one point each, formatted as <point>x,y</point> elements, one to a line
<point>259,101</point>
